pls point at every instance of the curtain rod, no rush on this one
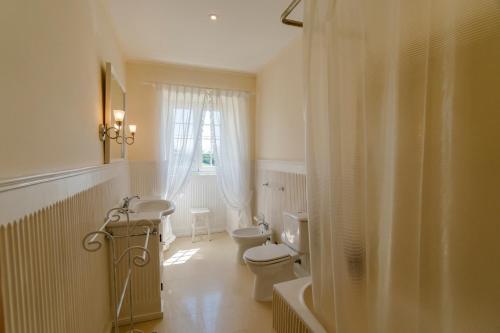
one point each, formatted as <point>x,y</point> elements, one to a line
<point>157,83</point>
<point>288,11</point>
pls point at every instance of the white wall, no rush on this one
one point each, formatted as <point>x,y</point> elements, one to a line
<point>279,117</point>
<point>142,108</point>
<point>51,102</point>
<point>280,137</point>
<point>53,53</point>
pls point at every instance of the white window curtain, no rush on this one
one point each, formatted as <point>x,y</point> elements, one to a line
<point>182,110</point>
<point>403,164</point>
<point>231,119</point>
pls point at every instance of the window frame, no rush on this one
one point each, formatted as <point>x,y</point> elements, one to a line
<point>200,168</point>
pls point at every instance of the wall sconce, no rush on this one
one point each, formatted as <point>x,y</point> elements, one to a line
<point>130,139</point>
<point>113,132</point>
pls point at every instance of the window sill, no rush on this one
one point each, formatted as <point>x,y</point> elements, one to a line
<point>204,173</point>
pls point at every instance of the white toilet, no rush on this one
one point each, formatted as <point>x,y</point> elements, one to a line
<point>273,263</point>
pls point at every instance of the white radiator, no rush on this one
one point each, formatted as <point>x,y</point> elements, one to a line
<point>201,192</point>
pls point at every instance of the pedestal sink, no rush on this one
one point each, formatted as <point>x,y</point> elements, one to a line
<point>145,212</point>
<point>154,210</point>
<point>149,209</point>
<point>163,207</point>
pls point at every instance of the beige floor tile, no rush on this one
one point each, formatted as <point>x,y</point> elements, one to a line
<point>208,291</point>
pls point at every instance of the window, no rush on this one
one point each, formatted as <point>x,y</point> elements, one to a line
<point>183,130</point>
<point>183,134</point>
<point>207,159</point>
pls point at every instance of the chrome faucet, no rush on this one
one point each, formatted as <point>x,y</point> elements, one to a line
<point>260,219</point>
<point>126,201</point>
<point>265,224</point>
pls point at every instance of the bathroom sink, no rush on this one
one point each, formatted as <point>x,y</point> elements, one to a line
<point>163,207</point>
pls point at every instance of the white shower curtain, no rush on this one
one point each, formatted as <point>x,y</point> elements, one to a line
<point>181,116</point>
<point>403,164</point>
<point>231,120</point>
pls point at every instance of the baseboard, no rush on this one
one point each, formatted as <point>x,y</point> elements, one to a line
<point>187,233</point>
<point>140,318</point>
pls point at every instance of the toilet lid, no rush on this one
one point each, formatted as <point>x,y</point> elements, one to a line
<point>267,253</point>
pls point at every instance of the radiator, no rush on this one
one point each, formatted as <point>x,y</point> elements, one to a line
<point>200,192</point>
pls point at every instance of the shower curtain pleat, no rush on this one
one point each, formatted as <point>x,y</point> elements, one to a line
<point>403,164</point>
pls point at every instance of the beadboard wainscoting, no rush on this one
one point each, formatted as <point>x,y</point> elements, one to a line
<point>279,186</point>
<point>200,192</point>
<point>48,282</point>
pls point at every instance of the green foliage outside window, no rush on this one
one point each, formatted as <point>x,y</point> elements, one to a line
<point>208,160</point>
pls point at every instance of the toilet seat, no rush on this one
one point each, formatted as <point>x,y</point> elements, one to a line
<point>269,254</point>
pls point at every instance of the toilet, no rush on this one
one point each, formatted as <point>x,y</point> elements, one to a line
<point>274,263</point>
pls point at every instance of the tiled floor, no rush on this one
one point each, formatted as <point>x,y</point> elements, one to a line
<point>208,291</point>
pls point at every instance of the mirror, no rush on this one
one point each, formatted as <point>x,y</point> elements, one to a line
<point>115,99</point>
<point>117,103</point>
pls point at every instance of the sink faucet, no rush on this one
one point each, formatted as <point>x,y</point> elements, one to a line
<point>126,201</point>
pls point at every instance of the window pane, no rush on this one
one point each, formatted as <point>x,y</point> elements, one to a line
<point>207,158</point>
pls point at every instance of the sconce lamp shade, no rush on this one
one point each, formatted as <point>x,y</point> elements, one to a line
<point>119,115</point>
<point>132,128</point>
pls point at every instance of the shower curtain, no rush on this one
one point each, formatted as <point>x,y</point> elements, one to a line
<point>403,164</point>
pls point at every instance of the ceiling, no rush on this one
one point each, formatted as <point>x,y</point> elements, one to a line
<point>246,35</point>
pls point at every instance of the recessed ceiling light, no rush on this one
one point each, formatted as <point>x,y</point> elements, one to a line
<point>213,17</point>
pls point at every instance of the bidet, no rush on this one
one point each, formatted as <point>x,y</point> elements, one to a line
<point>249,237</point>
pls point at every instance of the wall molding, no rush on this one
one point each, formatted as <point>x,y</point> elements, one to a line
<point>20,182</point>
<point>298,167</point>
<point>21,196</point>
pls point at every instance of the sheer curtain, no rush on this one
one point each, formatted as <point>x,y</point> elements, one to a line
<point>403,164</point>
<point>182,110</point>
<point>230,128</point>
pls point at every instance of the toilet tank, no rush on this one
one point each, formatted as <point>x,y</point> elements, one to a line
<point>295,231</point>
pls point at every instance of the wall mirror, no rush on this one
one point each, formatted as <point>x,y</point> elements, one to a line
<point>115,99</point>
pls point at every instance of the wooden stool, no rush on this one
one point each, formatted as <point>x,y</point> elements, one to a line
<point>200,216</point>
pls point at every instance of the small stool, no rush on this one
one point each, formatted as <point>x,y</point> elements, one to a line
<point>200,216</point>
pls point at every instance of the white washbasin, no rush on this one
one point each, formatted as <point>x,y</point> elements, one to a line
<point>163,207</point>
<point>247,238</point>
